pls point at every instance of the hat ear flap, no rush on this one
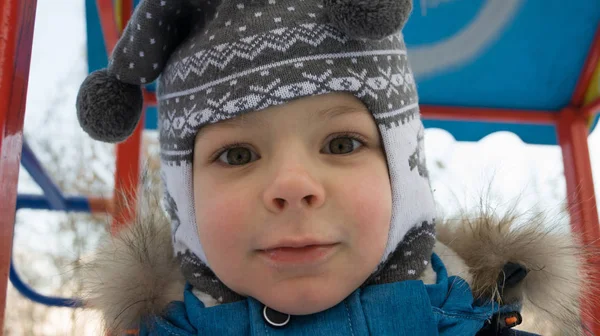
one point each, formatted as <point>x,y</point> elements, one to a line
<point>108,109</point>
<point>368,19</point>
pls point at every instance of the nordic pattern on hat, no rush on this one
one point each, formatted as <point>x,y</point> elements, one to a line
<point>376,81</point>
<point>221,59</point>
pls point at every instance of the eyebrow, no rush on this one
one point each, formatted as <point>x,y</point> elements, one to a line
<point>336,111</point>
<point>260,121</point>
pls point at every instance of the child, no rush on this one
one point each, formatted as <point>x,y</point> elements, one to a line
<point>313,216</point>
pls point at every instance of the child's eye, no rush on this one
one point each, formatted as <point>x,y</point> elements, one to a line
<point>237,156</point>
<point>343,145</point>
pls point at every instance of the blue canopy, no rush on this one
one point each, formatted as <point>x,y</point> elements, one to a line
<point>511,54</point>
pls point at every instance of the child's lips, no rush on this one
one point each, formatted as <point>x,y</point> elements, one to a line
<point>295,256</point>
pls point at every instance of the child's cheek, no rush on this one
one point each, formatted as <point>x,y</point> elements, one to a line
<point>370,198</point>
<point>222,223</point>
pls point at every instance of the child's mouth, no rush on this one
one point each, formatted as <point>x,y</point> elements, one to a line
<point>305,255</point>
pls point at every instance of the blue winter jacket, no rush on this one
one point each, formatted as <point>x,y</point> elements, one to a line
<point>402,308</point>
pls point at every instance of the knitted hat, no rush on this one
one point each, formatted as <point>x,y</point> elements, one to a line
<point>216,60</point>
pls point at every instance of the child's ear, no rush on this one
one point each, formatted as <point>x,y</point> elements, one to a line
<point>368,19</point>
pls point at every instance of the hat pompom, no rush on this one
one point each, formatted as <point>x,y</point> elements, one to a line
<point>368,19</point>
<point>108,109</point>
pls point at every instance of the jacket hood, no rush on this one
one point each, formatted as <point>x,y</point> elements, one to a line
<point>134,274</point>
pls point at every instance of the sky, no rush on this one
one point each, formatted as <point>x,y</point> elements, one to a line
<point>530,176</point>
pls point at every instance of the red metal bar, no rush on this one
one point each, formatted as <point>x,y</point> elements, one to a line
<point>588,70</point>
<point>591,109</point>
<point>109,26</point>
<point>488,114</point>
<point>149,98</point>
<point>128,158</point>
<point>126,11</point>
<point>100,205</point>
<point>17,18</point>
<point>573,137</point>
<point>572,131</point>
<point>127,177</point>
<point>128,153</point>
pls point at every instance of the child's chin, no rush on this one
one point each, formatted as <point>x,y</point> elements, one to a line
<point>302,305</point>
<point>304,310</point>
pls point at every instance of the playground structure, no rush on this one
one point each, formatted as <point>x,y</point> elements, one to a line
<point>533,113</point>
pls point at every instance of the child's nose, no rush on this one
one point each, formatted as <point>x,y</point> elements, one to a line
<point>294,190</point>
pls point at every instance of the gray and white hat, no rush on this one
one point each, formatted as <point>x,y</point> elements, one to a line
<point>216,60</point>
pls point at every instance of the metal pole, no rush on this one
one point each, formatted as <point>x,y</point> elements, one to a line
<point>572,130</point>
<point>17,19</point>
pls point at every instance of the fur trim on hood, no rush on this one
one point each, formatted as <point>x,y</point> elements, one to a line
<point>135,274</point>
<point>559,273</point>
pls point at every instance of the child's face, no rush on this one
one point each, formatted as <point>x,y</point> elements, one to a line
<point>312,171</point>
